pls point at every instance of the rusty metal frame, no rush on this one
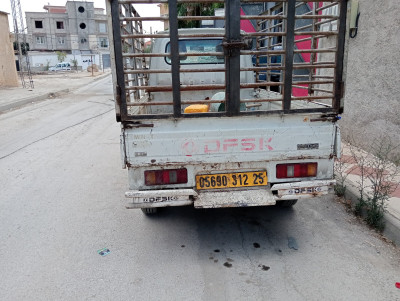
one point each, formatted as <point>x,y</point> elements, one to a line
<point>120,98</point>
<point>339,84</point>
<point>175,65</point>
<point>232,50</point>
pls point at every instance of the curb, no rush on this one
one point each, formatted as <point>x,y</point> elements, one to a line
<point>45,96</point>
<point>392,223</point>
<point>25,101</point>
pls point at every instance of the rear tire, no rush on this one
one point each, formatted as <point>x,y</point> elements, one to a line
<point>149,211</point>
<point>287,203</point>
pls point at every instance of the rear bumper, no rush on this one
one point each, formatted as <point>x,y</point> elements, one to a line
<point>231,198</point>
<point>303,190</point>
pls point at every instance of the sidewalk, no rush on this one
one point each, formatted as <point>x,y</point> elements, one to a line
<point>46,86</point>
<point>352,183</point>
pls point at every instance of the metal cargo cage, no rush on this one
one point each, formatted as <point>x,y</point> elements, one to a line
<point>260,57</point>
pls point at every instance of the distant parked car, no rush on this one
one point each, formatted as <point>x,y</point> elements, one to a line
<point>63,66</point>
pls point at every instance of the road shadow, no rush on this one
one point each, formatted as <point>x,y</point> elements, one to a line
<point>268,229</point>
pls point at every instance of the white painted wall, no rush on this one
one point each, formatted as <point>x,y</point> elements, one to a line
<point>39,60</point>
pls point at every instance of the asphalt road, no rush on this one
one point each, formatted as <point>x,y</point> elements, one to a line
<point>61,200</point>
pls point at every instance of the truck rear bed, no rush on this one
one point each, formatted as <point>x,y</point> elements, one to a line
<point>269,97</point>
<point>230,145</point>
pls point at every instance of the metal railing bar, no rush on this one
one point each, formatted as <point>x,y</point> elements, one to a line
<point>264,20</point>
<point>262,17</point>
<point>308,66</point>
<point>304,27</point>
<point>182,88</point>
<point>340,56</point>
<point>260,84</point>
<point>263,34</point>
<point>298,76</point>
<point>314,33</point>
<point>289,45</point>
<point>323,90</point>
<point>326,6</point>
<point>183,102</point>
<point>275,52</point>
<point>150,71</point>
<point>166,35</point>
<point>307,82</point>
<point>165,18</point>
<point>175,61</point>
<point>311,97</point>
<point>221,114</point>
<point>168,54</point>
<point>323,76</point>
<point>298,17</point>
<point>260,100</point>
<point>262,68</point>
<point>300,87</point>
<point>274,26</point>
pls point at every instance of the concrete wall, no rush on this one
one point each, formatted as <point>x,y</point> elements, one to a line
<point>372,101</point>
<point>49,31</point>
<point>39,60</point>
<point>8,71</point>
<point>81,16</point>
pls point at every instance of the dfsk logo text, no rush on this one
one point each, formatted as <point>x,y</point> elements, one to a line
<point>216,146</point>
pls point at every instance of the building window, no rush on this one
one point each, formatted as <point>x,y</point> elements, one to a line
<point>103,42</point>
<point>38,24</point>
<point>102,27</point>
<point>60,25</point>
<point>40,40</point>
<point>81,9</point>
<point>82,25</point>
<point>61,40</point>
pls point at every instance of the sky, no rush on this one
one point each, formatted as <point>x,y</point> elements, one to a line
<point>148,10</point>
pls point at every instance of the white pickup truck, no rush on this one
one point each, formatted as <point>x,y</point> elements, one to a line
<point>196,129</point>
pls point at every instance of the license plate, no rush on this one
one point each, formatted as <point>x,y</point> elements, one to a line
<point>231,180</point>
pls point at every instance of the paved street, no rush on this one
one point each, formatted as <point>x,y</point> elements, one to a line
<point>61,200</point>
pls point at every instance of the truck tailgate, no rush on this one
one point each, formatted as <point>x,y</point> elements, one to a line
<point>233,139</point>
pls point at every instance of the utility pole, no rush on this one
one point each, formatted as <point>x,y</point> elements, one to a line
<point>20,38</point>
<point>91,58</point>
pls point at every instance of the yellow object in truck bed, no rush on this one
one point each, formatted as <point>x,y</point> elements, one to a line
<point>196,109</point>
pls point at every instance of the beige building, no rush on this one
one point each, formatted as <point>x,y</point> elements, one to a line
<point>164,12</point>
<point>372,97</point>
<point>8,70</point>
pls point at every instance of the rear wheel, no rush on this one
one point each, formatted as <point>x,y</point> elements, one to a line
<point>287,203</point>
<point>149,211</point>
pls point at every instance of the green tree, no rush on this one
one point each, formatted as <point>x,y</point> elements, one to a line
<point>61,56</point>
<point>46,68</point>
<point>196,9</point>
<point>74,63</point>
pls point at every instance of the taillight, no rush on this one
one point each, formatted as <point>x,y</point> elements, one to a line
<point>297,170</point>
<point>164,177</point>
